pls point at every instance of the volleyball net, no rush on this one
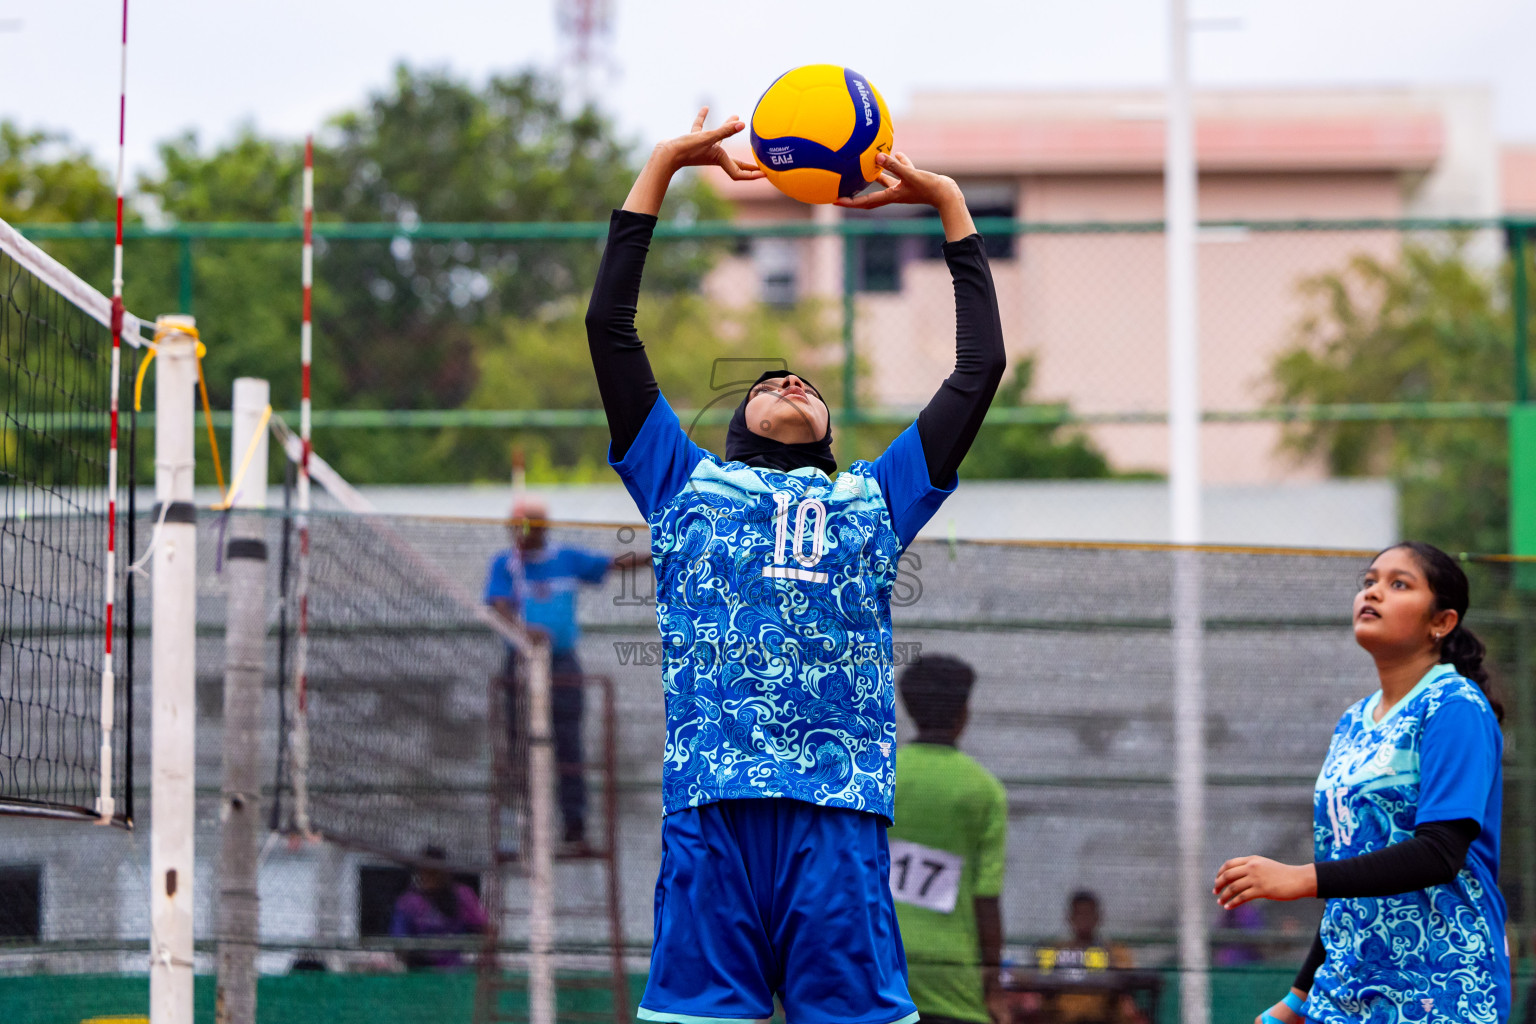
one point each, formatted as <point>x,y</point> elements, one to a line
<point>1073,710</point>
<point>65,713</point>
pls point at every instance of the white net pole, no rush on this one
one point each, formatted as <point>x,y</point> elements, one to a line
<point>173,735</point>
<point>1180,189</point>
<point>541,881</point>
<point>245,636</point>
<point>541,829</point>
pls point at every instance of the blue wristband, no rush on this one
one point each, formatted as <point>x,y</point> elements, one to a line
<point>1292,1001</point>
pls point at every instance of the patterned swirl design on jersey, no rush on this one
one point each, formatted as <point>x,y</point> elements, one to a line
<point>776,687</point>
<point>1420,956</point>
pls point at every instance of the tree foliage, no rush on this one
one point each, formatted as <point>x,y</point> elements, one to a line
<point>1426,326</point>
<point>412,322</point>
<point>400,322</point>
<point>43,179</point>
<point>1030,450</point>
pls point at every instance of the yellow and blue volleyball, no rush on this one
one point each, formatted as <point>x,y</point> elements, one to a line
<point>816,131</point>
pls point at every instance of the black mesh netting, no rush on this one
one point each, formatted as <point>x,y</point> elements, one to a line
<point>1072,710</point>
<point>55,396</point>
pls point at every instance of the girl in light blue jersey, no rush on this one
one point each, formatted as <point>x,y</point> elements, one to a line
<point>1406,817</point>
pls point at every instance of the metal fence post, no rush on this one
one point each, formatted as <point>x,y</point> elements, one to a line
<point>1520,308</point>
<point>184,276</point>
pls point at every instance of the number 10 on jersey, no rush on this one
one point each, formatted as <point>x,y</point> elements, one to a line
<point>809,510</point>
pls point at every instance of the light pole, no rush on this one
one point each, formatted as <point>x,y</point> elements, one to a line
<point>1180,218</point>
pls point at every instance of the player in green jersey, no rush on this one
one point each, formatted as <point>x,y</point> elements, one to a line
<point>947,852</point>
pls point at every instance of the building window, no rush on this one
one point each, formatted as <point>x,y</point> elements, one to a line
<point>21,888</point>
<point>879,261</point>
<point>379,887</point>
<point>777,261</point>
<point>985,199</point>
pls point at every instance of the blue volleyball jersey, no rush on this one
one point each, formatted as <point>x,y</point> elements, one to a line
<point>773,599</point>
<point>1437,954</point>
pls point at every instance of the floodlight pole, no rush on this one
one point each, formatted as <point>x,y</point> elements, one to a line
<point>173,726</point>
<point>1180,189</point>
<point>245,633</point>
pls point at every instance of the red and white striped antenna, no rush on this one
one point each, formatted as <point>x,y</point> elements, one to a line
<point>105,803</point>
<point>300,749</point>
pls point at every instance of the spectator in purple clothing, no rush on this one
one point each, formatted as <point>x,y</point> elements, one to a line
<point>436,905</point>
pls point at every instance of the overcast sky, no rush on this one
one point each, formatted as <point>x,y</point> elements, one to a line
<point>287,64</point>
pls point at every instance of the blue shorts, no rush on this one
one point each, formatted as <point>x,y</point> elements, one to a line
<point>758,897</point>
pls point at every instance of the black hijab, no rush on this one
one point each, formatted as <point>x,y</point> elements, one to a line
<point>743,445</point>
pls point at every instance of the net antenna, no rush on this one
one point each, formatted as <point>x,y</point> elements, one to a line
<point>300,745</point>
<point>105,804</point>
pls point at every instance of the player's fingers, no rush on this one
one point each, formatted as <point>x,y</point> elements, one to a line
<point>733,124</point>
<point>739,171</point>
<point>889,180</point>
<point>1230,881</point>
<point>1239,892</point>
<point>1239,899</point>
<point>1229,871</point>
<point>698,122</point>
<point>869,202</point>
<point>890,166</point>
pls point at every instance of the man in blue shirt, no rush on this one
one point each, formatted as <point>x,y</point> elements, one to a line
<point>543,579</point>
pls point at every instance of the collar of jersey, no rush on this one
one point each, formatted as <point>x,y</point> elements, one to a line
<point>1434,675</point>
<point>797,471</point>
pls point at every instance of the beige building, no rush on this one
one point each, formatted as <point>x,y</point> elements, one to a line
<point>1088,304</point>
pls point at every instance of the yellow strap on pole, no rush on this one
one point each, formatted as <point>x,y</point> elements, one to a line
<point>138,381</point>
<point>202,387</point>
<point>213,440</point>
<point>245,462</point>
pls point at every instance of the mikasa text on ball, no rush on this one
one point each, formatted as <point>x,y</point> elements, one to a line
<point>816,131</point>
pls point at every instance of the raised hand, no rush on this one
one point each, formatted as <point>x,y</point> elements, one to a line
<point>906,183</point>
<point>700,148</point>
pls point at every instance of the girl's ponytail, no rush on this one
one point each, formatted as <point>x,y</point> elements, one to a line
<point>1460,647</point>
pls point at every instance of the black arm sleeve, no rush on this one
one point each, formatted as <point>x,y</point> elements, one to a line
<point>1315,957</point>
<point>949,422</point>
<point>624,378</point>
<point>1436,852</point>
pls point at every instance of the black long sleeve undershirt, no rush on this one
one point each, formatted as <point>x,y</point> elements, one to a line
<point>947,425</point>
<point>949,422</point>
<point>1433,856</point>
<point>624,378</point>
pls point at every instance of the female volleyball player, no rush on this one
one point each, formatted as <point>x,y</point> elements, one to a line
<point>773,584</point>
<point>1406,821</point>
